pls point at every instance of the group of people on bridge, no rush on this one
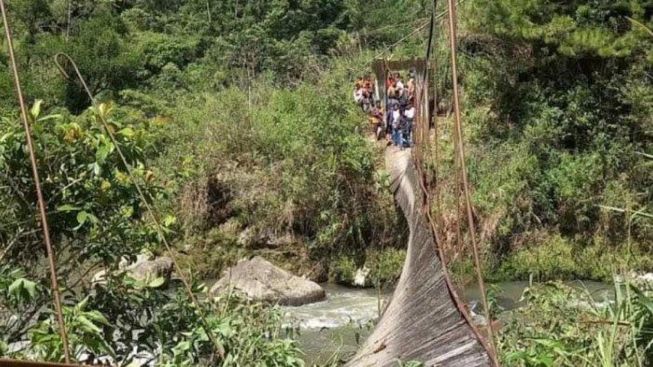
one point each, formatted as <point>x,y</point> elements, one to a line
<point>397,121</point>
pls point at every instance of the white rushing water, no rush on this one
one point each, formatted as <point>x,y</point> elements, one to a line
<point>342,307</point>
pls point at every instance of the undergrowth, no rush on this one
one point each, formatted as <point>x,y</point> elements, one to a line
<point>563,326</point>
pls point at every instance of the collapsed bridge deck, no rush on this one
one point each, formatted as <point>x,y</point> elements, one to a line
<point>421,322</point>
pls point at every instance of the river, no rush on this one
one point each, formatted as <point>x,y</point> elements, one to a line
<point>333,329</point>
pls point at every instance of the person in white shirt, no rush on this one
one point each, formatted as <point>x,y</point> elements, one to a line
<point>410,111</point>
<point>407,130</point>
<point>396,117</point>
<point>400,84</point>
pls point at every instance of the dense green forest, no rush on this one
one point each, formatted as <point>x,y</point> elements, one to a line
<point>569,118</point>
<point>235,118</point>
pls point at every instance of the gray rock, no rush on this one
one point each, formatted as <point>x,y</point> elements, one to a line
<point>254,238</point>
<point>124,262</point>
<point>319,273</point>
<point>260,280</point>
<point>645,278</point>
<point>144,269</point>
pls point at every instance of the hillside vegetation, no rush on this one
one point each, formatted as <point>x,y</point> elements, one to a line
<point>558,102</point>
<point>235,117</point>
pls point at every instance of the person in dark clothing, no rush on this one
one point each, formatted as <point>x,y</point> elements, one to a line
<point>376,120</point>
<point>391,104</point>
<point>407,126</point>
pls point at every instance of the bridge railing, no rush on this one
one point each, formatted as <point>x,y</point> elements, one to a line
<point>427,165</point>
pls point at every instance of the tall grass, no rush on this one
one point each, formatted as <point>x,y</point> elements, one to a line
<point>563,326</point>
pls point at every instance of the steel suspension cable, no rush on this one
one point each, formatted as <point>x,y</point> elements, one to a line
<point>141,193</point>
<point>437,17</point>
<point>37,184</point>
<point>463,172</point>
<point>418,156</point>
<point>459,245</point>
<point>417,30</point>
<point>435,150</point>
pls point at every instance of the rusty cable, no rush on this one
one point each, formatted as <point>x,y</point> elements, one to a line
<point>440,253</point>
<point>465,182</point>
<point>429,218</point>
<point>435,150</point>
<point>150,210</point>
<point>37,184</point>
<point>459,246</point>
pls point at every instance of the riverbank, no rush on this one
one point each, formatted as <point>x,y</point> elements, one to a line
<point>558,258</point>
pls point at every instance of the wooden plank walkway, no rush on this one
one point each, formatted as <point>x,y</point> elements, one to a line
<point>421,322</point>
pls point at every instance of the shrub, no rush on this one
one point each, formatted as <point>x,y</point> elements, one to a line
<point>562,326</point>
<point>343,270</point>
<point>385,265</point>
<point>168,326</point>
<point>553,257</point>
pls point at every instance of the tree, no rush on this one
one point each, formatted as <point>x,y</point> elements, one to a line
<point>101,49</point>
<point>567,81</point>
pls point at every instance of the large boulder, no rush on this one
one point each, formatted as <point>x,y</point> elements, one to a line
<point>260,280</point>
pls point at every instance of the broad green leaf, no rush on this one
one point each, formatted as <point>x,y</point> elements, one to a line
<point>103,151</point>
<point>82,304</point>
<point>22,289</point>
<point>82,217</point>
<point>88,325</point>
<point>51,117</point>
<point>156,282</point>
<point>103,110</point>
<point>5,137</point>
<point>169,220</point>
<point>35,111</point>
<point>14,288</point>
<point>127,132</point>
<point>181,347</point>
<point>30,287</point>
<point>97,316</point>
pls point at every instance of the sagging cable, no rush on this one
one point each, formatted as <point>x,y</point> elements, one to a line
<point>37,184</point>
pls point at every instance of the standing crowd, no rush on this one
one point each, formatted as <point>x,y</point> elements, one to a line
<point>400,113</point>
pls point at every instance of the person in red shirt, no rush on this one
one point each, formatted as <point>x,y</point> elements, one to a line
<point>390,82</point>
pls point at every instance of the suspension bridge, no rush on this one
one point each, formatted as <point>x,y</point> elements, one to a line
<point>425,319</point>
